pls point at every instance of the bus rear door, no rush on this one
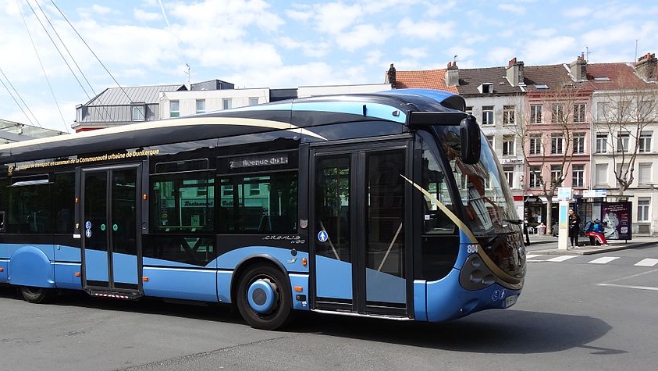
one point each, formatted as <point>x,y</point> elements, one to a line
<point>359,247</point>
<point>111,243</point>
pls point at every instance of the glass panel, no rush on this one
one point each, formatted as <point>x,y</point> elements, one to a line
<point>30,209</point>
<point>183,203</point>
<point>64,202</point>
<point>332,206</point>
<point>95,211</point>
<point>124,211</point>
<point>385,232</point>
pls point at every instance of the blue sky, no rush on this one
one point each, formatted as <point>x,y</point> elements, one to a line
<point>283,44</point>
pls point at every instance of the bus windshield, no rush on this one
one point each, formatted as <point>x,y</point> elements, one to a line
<point>484,193</point>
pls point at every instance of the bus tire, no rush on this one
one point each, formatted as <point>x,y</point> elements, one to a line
<point>264,297</point>
<point>37,295</point>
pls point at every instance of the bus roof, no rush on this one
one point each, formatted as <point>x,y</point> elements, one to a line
<point>393,105</point>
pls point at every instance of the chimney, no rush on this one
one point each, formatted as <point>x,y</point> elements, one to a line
<point>390,76</point>
<point>578,68</point>
<point>646,67</point>
<point>452,74</point>
<point>515,72</point>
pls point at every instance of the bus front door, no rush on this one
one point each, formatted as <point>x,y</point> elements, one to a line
<point>110,233</point>
<point>357,228</point>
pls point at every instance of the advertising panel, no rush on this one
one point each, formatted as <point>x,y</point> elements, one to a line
<point>616,218</point>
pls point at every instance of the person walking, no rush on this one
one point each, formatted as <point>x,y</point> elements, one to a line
<point>574,228</point>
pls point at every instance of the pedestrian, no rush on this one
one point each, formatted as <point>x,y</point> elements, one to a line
<point>525,230</point>
<point>574,228</point>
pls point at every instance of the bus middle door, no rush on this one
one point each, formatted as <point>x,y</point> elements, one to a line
<point>110,200</point>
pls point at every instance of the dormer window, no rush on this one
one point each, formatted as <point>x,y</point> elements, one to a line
<point>486,88</point>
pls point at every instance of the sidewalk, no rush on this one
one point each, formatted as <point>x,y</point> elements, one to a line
<point>547,245</point>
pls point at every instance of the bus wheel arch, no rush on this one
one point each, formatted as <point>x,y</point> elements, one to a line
<point>262,294</point>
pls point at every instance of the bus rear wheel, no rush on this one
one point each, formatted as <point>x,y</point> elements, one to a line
<point>37,295</point>
<point>264,297</point>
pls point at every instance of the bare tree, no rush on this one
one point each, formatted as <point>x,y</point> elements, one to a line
<point>627,112</point>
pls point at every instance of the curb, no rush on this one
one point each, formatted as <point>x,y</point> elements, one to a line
<point>590,251</point>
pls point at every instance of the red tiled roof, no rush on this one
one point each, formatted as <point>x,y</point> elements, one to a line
<point>428,79</point>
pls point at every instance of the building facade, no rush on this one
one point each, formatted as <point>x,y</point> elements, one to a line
<point>574,125</point>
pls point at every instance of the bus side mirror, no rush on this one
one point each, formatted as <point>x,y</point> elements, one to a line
<point>470,140</point>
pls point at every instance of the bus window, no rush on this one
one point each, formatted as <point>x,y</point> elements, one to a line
<point>30,208</point>
<point>64,202</point>
<point>435,221</point>
<point>183,203</point>
<point>259,203</point>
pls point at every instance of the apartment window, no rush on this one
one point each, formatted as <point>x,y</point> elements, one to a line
<point>558,113</point>
<point>557,142</point>
<point>226,103</point>
<point>487,115</point>
<point>644,176</point>
<point>556,173</point>
<point>535,177</point>
<point>579,143</point>
<point>508,145</point>
<point>469,110</point>
<point>644,142</point>
<point>601,142</point>
<point>535,145</point>
<point>174,110</point>
<point>643,204</point>
<point>578,176</point>
<point>490,139</point>
<point>200,106</point>
<point>622,172</point>
<point>622,142</point>
<point>602,111</point>
<point>601,174</point>
<point>508,172</point>
<point>509,116</point>
<point>253,101</point>
<point>138,112</point>
<point>535,114</point>
<point>579,112</point>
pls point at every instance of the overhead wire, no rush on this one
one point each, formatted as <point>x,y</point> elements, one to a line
<point>69,54</point>
<point>42,67</point>
<point>21,98</point>
<point>92,52</point>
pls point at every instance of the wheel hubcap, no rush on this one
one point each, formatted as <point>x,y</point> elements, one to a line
<point>262,296</point>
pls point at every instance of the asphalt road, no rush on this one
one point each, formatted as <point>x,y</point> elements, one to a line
<point>572,315</point>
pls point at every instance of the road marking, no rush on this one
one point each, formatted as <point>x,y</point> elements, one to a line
<point>629,286</point>
<point>531,256</point>
<point>604,260</point>
<point>610,284</point>
<point>559,259</point>
<point>647,263</point>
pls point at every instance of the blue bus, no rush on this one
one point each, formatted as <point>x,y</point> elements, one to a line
<point>389,205</point>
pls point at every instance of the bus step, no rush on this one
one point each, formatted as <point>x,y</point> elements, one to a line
<point>114,294</point>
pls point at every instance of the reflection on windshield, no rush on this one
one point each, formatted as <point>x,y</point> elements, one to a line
<point>484,193</point>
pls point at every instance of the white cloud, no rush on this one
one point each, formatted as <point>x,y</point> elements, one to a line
<point>362,35</point>
<point>550,50</point>
<point>499,56</point>
<point>333,18</point>
<point>579,12</point>
<point>516,9</point>
<point>299,15</point>
<point>426,30</point>
<point>416,53</point>
<point>374,57</point>
<point>142,15</point>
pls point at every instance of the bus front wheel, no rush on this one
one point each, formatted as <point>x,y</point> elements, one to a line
<point>37,295</point>
<point>264,297</point>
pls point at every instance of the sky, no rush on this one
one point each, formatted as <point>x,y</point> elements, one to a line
<point>56,54</point>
